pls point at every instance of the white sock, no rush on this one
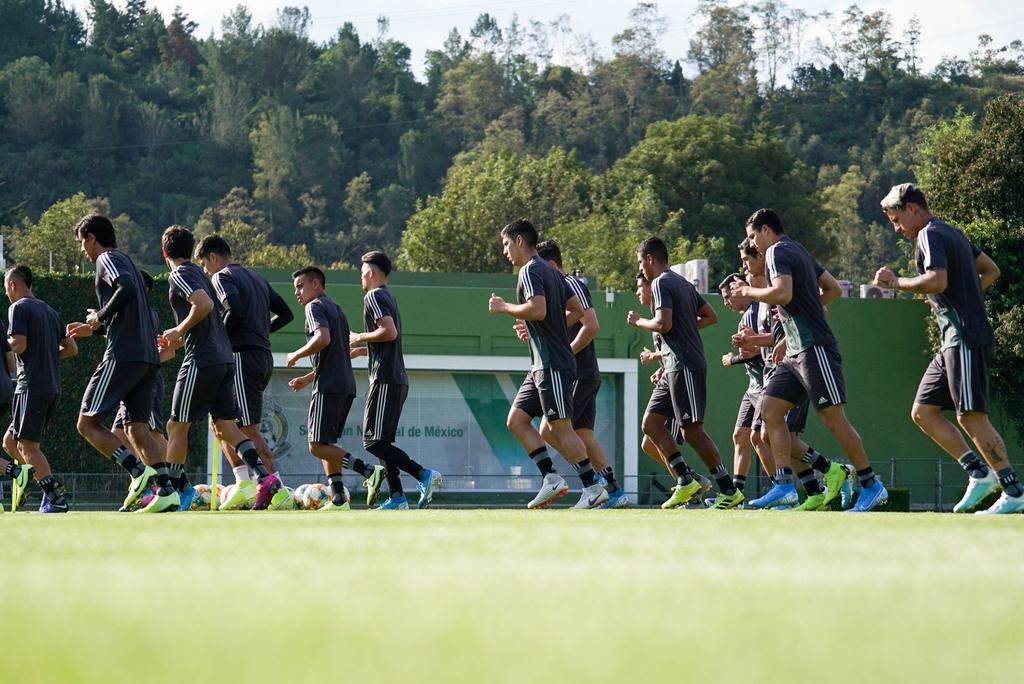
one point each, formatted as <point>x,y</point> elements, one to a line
<point>241,473</point>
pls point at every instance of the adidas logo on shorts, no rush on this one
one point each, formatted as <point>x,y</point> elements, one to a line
<point>822,400</point>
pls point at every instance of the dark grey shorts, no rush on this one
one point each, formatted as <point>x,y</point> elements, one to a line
<point>327,416</point>
<point>202,392</point>
<point>815,373</point>
<point>957,378</point>
<point>382,411</point>
<point>253,368</point>
<point>546,394</point>
<point>30,415</point>
<point>584,404</point>
<point>131,384</point>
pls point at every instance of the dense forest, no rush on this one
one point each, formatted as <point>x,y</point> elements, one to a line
<point>298,150</point>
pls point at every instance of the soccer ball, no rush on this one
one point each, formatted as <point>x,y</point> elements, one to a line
<point>201,502</point>
<point>299,495</point>
<point>316,496</point>
<point>283,500</point>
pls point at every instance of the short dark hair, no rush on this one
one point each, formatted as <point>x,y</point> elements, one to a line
<point>655,247</point>
<point>379,259</point>
<point>311,272</point>
<point>724,285</point>
<point>900,195</point>
<point>765,217</point>
<point>549,251</point>
<point>749,248</point>
<point>21,272</point>
<point>521,227</point>
<point>177,242</point>
<point>213,244</point>
<point>147,281</point>
<point>641,278</point>
<point>99,226</point>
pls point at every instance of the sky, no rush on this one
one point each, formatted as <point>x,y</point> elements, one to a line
<point>949,27</point>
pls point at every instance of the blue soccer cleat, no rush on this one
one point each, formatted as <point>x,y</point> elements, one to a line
<point>394,503</point>
<point>187,495</point>
<point>872,496</point>
<point>45,506</point>
<point>430,481</point>
<point>779,496</point>
<point>616,499</point>
<point>846,491</point>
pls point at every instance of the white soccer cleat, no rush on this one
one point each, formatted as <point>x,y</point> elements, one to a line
<point>592,497</point>
<point>1005,504</point>
<point>554,486</point>
<point>977,489</point>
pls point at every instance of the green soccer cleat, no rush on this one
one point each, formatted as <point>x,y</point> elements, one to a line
<point>138,487</point>
<point>815,502</point>
<point>681,494</point>
<point>726,501</point>
<point>834,479</point>
<point>19,486</point>
<point>244,493</point>
<point>373,484</point>
<point>162,504</point>
<point>333,507</point>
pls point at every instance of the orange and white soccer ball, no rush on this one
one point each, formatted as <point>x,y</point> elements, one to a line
<point>316,496</point>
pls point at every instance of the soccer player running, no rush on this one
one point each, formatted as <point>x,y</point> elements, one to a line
<point>679,313</point>
<point>205,385</point>
<point>770,336</point>
<point>39,340</point>
<point>953,273</point>
<point>812,367</point>
<point>753,364</point>
<point>251,311</point>
<point>157,420</point>
<point>389,387</point>
<point>588,377</point>
<point>542,303</point>
<point>334,385</point>
<point>127,373</point>
<point>662,424</point>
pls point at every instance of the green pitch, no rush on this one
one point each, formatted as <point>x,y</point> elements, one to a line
<point>511,596</point>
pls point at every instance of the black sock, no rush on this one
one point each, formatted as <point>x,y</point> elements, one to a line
<point>809,481</point>
<point>356,464</point>
<point>178,476</point>
<point>609,475</point>
<point>814,459</point>
<point>723,479</point>
<point>866,476</point>
<point>679,467</point>
<point>784,476</point>
<point>392,455</point>
<point>389,456</point>
<point>128,461</point>
<point>1011,484</point>
<point>12,470</point>
<point>337,489</point>
<point>247,450</point>
<point>164,482</point>
<point>585,472</point>
<point>53,489</point>
<point>739,481</point>
<point>973,465</point>
<point>543,462</point>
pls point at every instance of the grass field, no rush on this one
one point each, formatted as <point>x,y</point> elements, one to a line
<point>511,596</point>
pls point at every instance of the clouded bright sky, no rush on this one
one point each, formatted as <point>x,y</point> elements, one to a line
<point>949,27</point>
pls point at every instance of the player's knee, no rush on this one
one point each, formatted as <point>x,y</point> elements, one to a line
<point>972,422</point>
<point>10,444</point>
<point>651,423</point>
<point>755,439</point>
<point>740,436</point>
<point>919,414</point>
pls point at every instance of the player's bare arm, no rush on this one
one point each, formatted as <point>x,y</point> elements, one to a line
<point>320,339</point>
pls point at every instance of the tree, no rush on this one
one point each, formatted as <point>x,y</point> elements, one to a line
<point>51,240</point>
<point>974,177</point>
<point>458,230</point>
<point>724,53</point>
